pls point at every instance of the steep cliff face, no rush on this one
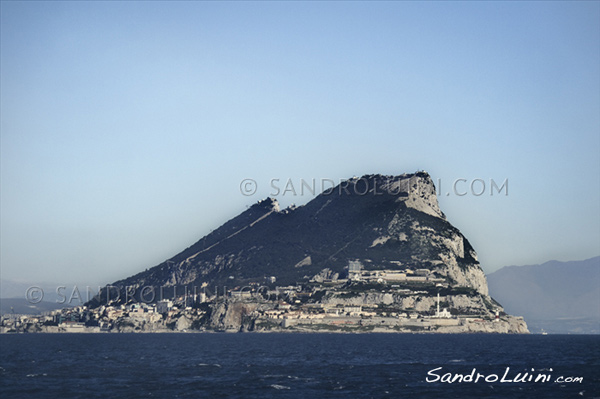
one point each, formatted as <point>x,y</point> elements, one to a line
<point>384,222</point>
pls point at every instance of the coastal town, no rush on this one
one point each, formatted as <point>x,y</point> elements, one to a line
<point>363,300</point>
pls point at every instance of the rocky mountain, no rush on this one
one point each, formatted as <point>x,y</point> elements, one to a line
<point>384,232</point>
<point>390,222</point>
<point>557,297</point>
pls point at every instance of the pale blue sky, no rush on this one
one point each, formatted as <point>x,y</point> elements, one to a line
<point>126,128</point>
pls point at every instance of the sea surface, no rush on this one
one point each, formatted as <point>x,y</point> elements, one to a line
<point>298,366</point>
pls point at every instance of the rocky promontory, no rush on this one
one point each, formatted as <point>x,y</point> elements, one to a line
<point>374,253</point>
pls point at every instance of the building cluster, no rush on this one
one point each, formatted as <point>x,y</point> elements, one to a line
<point>278,307</point>
<point>106,318</point>
<point>357,273</point>
<point>288,315</point>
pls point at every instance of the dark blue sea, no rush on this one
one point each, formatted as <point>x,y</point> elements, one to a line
<point>298,366</point>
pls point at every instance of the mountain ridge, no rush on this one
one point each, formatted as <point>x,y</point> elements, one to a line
<point>555,296</point>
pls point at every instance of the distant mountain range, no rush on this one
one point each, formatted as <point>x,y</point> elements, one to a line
<point>13,297</point>
<point>556,297</point>
<point>21,306</point>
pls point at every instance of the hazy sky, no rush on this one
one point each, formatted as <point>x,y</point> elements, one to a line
<point>127,128</point>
